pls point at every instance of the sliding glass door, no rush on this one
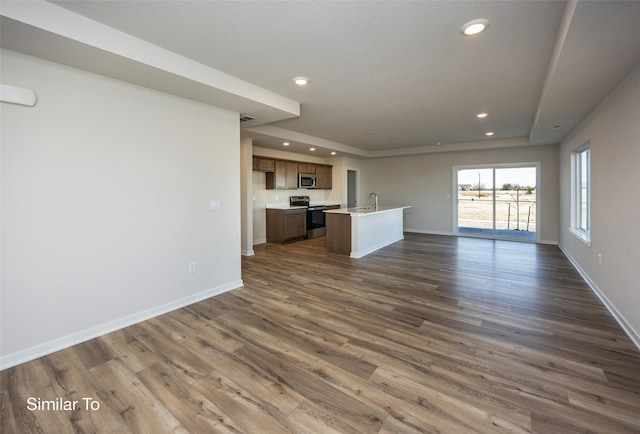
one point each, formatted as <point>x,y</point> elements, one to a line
<point>497,201</point>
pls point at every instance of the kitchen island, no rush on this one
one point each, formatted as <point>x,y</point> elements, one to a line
<point>359,231</point>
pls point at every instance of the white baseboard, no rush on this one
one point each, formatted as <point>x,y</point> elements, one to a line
<point>103,329</point>
<point>550,242</point>
<point>421,231</point>
<point>633,335</point>
<point>453,234</point>
<point>247,252</point>
<point>260,241</point>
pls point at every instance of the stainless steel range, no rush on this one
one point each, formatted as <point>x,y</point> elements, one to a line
<point>315,215</point>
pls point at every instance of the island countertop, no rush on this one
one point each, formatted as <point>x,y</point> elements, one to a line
<point>365,210</point>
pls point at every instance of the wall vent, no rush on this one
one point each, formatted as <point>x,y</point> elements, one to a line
<point>245,118</point>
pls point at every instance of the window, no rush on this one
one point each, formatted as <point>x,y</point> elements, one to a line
<point>581,194</point>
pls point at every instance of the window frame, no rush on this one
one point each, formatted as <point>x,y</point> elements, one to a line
<point>581,193</point>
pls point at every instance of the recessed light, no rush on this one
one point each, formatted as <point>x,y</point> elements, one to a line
<point>482,115</point>
<point>333,152</point>
<point>285,143</point>
<point>489,133</point>
<point>439,144</point>
<point>312,149</point>
<point>301,81</point>
<point>474,27</point>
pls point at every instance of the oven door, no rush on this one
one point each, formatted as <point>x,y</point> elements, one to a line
<point>315,222</point>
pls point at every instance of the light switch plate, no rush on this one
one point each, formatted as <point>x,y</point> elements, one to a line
<point>216,204</point>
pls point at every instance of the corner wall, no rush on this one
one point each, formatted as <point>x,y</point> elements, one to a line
<point>614,132</point>
<point>106,194</point>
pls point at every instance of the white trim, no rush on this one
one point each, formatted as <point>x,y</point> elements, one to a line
<point>429,232</point>
<point>626,326</point>
<point>583,236</point>
<point>103,329</point>
<point>452,234</point>
<point>247,252</point>
<point>260,241</point>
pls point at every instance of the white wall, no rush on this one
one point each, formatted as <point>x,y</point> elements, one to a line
<point>425,183</point>
<point>614,131</point>
<point>106,191</point>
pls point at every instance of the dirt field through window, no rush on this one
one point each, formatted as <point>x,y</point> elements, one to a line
<point>477,212</point>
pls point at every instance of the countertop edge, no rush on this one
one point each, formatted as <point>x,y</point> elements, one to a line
<point>365,212</point>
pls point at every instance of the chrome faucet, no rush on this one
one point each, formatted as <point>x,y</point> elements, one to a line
<point>376,197</point>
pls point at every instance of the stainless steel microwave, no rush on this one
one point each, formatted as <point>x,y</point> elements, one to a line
<point>307,180</point>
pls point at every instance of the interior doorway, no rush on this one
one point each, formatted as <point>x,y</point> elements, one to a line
<point>499,201</point>
<point>352,188</point>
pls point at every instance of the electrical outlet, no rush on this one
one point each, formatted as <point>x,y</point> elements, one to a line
<point>193,267</point>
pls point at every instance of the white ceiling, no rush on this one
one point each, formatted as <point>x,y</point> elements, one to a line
<point>391,77</point>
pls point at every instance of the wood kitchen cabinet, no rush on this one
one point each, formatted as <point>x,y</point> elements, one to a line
<point>306,168</point>
<point>323,176</point>
<point>284,177</point>
<point>263,164</point>
<point>286,224</point>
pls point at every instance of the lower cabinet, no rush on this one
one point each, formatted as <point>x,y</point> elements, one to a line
<point>286,224</point>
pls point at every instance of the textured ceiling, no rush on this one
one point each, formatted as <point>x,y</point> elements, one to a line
<point>387,76</point>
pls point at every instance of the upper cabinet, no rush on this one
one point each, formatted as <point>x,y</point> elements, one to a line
<point>283,174</point>
<point>263,164</point>
<point>323,176</point>
<point>306,168</point>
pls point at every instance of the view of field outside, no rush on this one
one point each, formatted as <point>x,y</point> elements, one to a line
<point>515,202</point>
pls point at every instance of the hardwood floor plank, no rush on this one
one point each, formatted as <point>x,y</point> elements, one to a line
<point>129,350</point>
<point>195,412</point>
<point>120,391</point>
<point>360,416</point>
<point>249,414</point>
<point>262,384</point>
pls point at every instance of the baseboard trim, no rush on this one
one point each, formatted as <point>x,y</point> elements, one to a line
<point>247,252</point>
<point>633,335</point>
<point>103,329</point>
<point>420,231</point>
<point>453,234</point>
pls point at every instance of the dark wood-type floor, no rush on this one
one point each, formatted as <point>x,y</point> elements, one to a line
<point>431,334</point>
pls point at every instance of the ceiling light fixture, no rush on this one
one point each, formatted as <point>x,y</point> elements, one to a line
<point>301,81</point>
<point>312,149</point>
<point>489,133</point>
<point>482,115</point>
<point>333,152</point>
<point>285,143</point>
<point>474,27</point>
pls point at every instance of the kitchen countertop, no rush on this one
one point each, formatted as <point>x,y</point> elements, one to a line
<point>365,210</point>
<point>285,205</point>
